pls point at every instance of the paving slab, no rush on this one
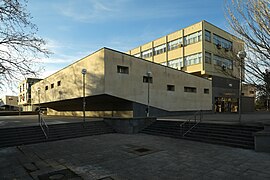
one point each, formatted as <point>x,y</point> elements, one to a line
<point>115,156</point>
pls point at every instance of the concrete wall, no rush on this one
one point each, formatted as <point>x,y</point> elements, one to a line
<point>71,80</point>
<point>129,125</point>
<point>131,86</point>
<point>104,80</point>
<point>202,69</point>
<point>10,100</point>
<point>210,47</point>
<point>248,104</point>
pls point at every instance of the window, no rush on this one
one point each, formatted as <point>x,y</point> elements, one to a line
<point>190,89</point>
<point>222,62</point>
<point>193,38</point>
<point>164,63</point>
<point>52,86</point>
<point>137,55</point>
<point>147,79</point>
<point>46,88</point>
<point>221,42</point>
<point>193,59</point>
<point>206,91</point>
<point>251,92</point>
<point>176,63</point>
<point>208,57</point>
<point>148,53</point>
<point>58,83</point>
<point>122,70</point>
<point>170,88</point>
<point>207,35</point>
<point>160,49</point>
<point>174,44</point>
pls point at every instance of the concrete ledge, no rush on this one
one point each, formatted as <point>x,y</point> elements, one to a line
<point>129,125</point>
<point>262,139</point>
<point>16,113</point>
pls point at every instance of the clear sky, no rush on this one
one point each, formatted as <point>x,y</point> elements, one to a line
<point>76,28</point>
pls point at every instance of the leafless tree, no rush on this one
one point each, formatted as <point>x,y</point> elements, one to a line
<point>20,47</point>
<point>250,20</point>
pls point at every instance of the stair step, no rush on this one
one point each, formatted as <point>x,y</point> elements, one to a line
<point>33,134</point>
<point>225,134</point>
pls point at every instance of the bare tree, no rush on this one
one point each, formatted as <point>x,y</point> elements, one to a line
<point>250,20</point>
<point>20,47</point>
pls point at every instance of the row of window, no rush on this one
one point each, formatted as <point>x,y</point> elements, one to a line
<point>189,39</point>
<point>149,79</point>
<point>219,41</point>
<point>187,61</point>
<point>52,85</point>
<point>218,60</point>
<point>222,62</point>
<point>196,59</point>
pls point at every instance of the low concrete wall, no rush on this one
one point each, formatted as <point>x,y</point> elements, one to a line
<point>16,113</point>
<point>262,139</point>
<point>129,125</point>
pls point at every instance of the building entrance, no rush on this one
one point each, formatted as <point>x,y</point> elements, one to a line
<point>224,104</point>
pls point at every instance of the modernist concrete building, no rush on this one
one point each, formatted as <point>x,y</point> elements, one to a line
<point>9,103</point>
<point>204,50</point>
<point>118,84</point>
<point>24,100</point>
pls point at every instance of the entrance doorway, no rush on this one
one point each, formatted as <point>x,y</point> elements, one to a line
<point>224,104</point>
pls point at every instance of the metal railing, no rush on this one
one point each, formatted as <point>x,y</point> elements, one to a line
<point>43,125</point>
<point>191,123</point>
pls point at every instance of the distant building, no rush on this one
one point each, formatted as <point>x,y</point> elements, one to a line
<point>116,84</point>
<point>249,90</point>
<point>9,103</point>
<point>25,98</point>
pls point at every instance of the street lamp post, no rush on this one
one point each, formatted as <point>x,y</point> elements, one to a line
<point>241,55</point>
<point>84,71</point>
<point>148,92</point>
<point>38,90</point>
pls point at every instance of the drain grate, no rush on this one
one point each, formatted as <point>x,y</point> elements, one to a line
<point>59,175</point>
<point>139,150</point>
<point>142,150</point>
<point>106,178</point>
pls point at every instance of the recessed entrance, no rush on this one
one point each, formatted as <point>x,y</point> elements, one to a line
<point>224,104</point>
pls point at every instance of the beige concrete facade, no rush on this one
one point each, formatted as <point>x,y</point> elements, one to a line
<point>204,50</point>
<point>249,90</point>
<point>194,43</point>
<point>10,100</point>
<point>115,82</point>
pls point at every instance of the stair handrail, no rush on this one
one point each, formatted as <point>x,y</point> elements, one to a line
<point>200,113</point>
<point>43,125</point>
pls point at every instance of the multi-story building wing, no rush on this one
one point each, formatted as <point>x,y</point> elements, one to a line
<point>24,98</point>
<point>204,50</point>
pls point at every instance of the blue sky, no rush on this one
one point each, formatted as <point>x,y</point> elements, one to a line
<point>76,28</point>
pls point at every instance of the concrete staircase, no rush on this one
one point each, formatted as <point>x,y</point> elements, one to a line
<point>33,134</point>
<point>225,134</point>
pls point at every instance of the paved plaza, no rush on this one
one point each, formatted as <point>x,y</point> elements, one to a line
<point>138,156</point>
